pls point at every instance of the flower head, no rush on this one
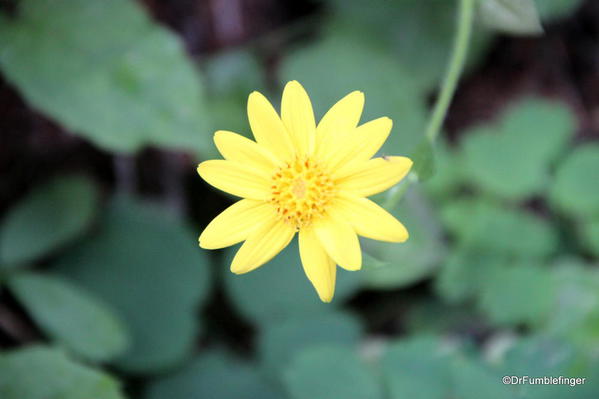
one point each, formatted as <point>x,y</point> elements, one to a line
<point>300,177</point>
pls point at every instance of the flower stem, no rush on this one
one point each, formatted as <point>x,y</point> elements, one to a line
<point>397,192</point>
<point>450,82</point>
<point>454,70</point>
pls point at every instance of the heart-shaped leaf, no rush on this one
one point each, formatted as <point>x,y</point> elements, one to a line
<point>512,159</point>
<point>518,293</point>
<point>515,232</point>
<point>575,190</point>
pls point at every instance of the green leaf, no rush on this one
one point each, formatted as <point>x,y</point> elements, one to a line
<point>280,289</point>
<point>516,17</point>
<point>493,162</point>
<point>554,9</point>
<point>51,216</point>
<point>38,372</point>
<point>233,72</point>
<point>590,236</point>
<point>280,342</point>
<point>447,178</point>
<point>512,158</point>
<point>213,375</point>
<point>430,368</point>
<point>550,125</point>
<point>406,27</point>
<point>538,357</point>
<point>106,71</point>
<point>370,262</point>
<point>575,313</point>
<point>230,76</point>
<point>465,270</point>
<point>389,89</point>
<point>70,315</point>
<point>479,259</point>
<point>413,260</point>
<point>427,367</point>
<point>575,191</point>
<point>327,372</point>
<point>417,368</point>
<point>521,293</point>
<point>515,232</point>
<point>424,160</point>
<point>148,268</point>
<point>473,379</point>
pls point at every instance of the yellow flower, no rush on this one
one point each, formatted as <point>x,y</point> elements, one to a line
<point>306,178</point>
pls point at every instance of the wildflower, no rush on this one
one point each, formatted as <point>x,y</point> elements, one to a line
<point>299,177</point>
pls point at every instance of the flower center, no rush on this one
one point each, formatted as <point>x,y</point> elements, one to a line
<point>301,191</point>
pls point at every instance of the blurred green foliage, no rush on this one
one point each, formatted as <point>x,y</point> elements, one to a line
<point>518,17</point>
<point>70,315</point>
<point>513,158</point>
<point>216,374</point>
<point>304,375</point>
<point>289,293</point>
<point>104,70</point>
<point>418,258</point>
<point>572,193</point>
<point>550,9</point>
<point>388,86</point>
<point>498,278</point>
<point>47,219</point>
<point>281,342</point>
<point>143,264</point>
<point>39,372</point>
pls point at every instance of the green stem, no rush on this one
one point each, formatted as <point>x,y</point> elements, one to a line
<point>454,70</point>
<point>450,82</point>
<point>397,192</point>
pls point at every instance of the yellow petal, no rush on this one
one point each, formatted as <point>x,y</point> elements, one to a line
<point>318,266</point>
<point>338,123</point>
<point>235,147</point>
<point>340,242</point>
<point>298,117</point>
<point>267,127</point>
<point>235,223</point>
<point>363,143</point>
<point>262,245</point>
<point>371,177</point>
<point>235,178</point>
<point>371,136</point>
<point>370,220</point>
